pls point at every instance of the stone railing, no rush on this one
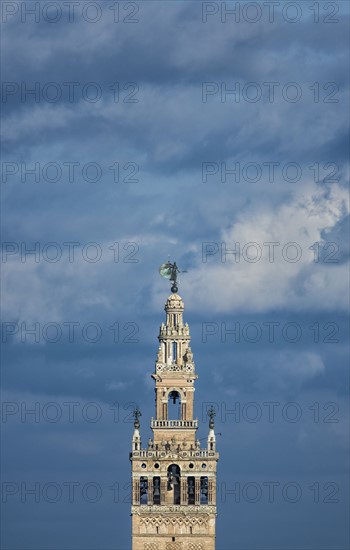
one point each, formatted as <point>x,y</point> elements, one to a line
<point>182,453</point>
<point>193,424</point>
<point>170,509</point>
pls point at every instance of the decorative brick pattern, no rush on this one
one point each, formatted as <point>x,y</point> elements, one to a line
<point>174,546</point>
<point>182,521</point>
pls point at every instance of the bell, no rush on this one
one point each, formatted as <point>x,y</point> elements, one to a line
<point>143,490</point>
<point>174,396</point>
<point>156,491</point>
<point>190,487</point>
<point>174,475</point>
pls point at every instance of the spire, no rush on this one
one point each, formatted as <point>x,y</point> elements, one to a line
<point>211,436</point>
<point>136,440</point>
<point>174,377</point>
<point>136,414</point>
<point>174,352</point>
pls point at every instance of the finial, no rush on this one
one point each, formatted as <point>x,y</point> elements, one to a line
<point>170,271</point>
<point>211,414</point>
<point>136,414</point>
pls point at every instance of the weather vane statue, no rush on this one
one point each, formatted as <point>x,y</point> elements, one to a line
<point>170,271</point>
<point>211,414</point>
<point>136,414</point>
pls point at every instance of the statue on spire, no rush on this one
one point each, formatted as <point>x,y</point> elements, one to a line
<point>136,414</point>
<point>170,271</point>
<point>211,414</point>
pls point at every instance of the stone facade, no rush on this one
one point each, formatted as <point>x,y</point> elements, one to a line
<point>174,478</point>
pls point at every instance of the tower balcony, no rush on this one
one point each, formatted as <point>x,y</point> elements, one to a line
<point>189,424</point>
<point>182,454</point>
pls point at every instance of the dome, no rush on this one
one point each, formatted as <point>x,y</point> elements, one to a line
<point>174,302</point>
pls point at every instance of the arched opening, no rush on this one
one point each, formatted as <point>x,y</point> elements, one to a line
<point>204,490</point>
<point>174,481</point>
<point>143,490</point>
<point>156,490</point>
<point>174,405</point>
<point>191,490</point>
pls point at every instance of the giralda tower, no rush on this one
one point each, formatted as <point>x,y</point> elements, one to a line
<point>173,477</point>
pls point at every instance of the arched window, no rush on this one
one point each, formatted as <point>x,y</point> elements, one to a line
<point>174,405</point>
<point>174,481</point>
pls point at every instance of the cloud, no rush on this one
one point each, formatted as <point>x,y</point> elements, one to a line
<point>275,281</point>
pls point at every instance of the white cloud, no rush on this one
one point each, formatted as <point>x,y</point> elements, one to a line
<point>279,284</point>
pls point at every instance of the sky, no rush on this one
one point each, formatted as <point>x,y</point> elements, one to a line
<point>214,134</point>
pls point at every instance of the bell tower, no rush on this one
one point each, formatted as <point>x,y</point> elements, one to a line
<point>174,478</point>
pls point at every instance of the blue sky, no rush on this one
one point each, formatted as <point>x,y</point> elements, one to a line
<point>175,129</point>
